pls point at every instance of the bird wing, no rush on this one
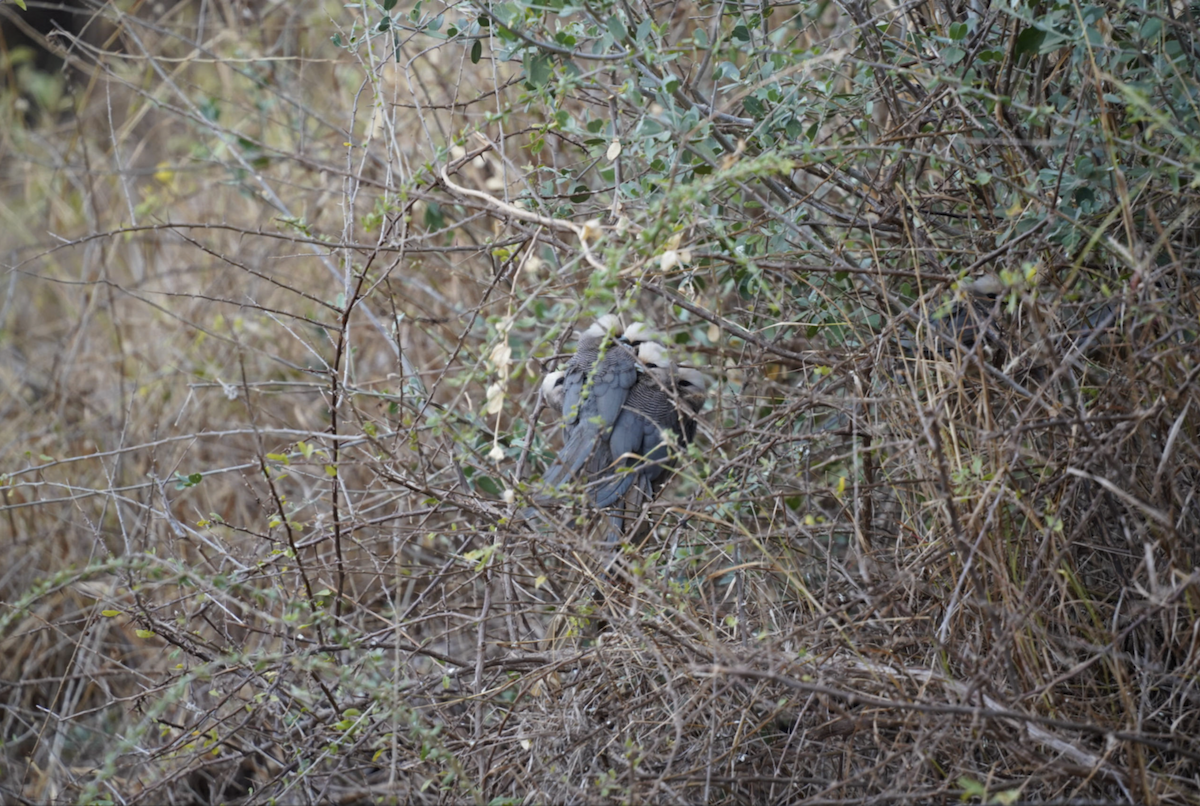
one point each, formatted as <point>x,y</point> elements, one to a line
<point>637,443</point>
<point>630,434</point>
<point>591,412</point>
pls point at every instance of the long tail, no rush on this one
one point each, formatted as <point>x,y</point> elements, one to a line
<point>581,446</point>
<point>610,491</point>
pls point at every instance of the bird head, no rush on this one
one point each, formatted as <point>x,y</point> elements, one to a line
<point>655,358</point>
<point>638,334</point>
<point>603,326</point>
<point>553,389</point>
<point>989,286</point>
<point>692,386</point>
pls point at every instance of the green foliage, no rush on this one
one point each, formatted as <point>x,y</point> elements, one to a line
<point>278,304</point>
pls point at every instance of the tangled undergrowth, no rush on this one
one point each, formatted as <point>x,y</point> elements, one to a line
<point>281,282</point>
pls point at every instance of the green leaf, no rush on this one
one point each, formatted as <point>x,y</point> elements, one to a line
<point>1030,41</point>
<point>110,613</point>
<point>388,5</point>
<point>538,68</point>
<point>616,28</point>
<point>488,485</point>
<point>434,220</point>
<point>476,51</point>
<point>958,30</point>
<point>972,788</point>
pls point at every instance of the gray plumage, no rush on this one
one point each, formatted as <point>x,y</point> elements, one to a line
<point>962,325</point>
<point>603,331</point>
<point>596,383</point>
<point>972,321</point>
<point>664,400</point>
<point>619,397</point>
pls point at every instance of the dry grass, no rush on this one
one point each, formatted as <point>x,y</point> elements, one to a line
<point>257,296</point>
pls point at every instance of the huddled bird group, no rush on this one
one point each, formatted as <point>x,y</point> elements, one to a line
<point>624,403</point>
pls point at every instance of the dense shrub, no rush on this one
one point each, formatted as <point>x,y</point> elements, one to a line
<point>282,280</point>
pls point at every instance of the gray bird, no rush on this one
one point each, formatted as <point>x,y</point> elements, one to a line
<point>596,383</point>
<point>600,334</point>
<point>554,385</point>
<point>972,322</point>
<point>959,326</point>
<point>664,400</point>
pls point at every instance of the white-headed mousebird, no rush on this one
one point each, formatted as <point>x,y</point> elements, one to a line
<point>615,442</point>
<point>596,383</point>
<point>664,400</point>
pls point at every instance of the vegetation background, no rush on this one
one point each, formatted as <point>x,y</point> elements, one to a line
<point>280,281</point>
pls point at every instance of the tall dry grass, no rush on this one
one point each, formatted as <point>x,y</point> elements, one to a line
<point>279,288</point>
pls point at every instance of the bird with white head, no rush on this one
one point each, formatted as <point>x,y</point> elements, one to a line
<point>595,383</point>
<point>554,389</point>
<point>627,409</point>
